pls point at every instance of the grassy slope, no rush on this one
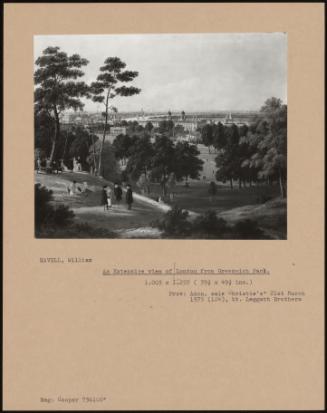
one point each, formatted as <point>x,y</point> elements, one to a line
<point>230,205</point>
<point>270,216</point>
<point>87,207</point>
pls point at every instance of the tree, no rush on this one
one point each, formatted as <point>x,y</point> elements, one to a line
<point>149,127</point>
<point>267,139</point>
<point>110,168</point>
<point>80,146</point>
<point>207,135</point>
<point>110,83</point>
<point>171,184</point>
<point>227,160</point>
<point>166,127</point>
<point>143,183</point>
<point>57,86</point>
<point>122,145</point>
<point>219,136</point>
<point>274,145</point>
<point>44,130</point>
<point>162,161</point>
<point>139,161</point>
<point>186,161</point>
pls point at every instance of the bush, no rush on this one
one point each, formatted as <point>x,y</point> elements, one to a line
<point>175,222</point>
<point>210,225</point>
<point>248,229</point>
<point>46,215</point>
<point>82,231</point>
<point>62,216</point>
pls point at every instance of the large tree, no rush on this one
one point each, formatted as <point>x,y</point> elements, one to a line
<point>186,161</point>
<point>57,86</point>
<point>267,138</point>
<point>273,148</point>
<point>139,160</point>
<point>227,160</point>
<point>110,83</point>
<point>219,136</point>
<point>207,135</point>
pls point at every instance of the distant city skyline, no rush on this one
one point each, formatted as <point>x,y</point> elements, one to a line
<point>190,72</point>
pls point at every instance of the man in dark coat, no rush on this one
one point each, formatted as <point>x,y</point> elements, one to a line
<point>129,197</point>
<point>118,192</point>
<point>104,198</point>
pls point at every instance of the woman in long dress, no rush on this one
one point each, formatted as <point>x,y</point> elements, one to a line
<point>109,202</point>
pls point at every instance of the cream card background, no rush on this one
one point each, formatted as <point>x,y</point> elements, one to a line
<point>69,331</point>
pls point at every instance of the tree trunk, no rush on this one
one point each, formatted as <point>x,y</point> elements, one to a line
<point>239,183</point>
<point>231,183</point>
<point>56,135</point>
<point>94,158</point>
<point>103,136</point>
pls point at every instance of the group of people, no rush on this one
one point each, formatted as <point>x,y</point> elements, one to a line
<point>50,167</point>
<point>106,200</point>
<point>73,188</point>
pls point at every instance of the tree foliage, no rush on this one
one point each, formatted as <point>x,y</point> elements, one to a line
<point>58,87</point>
<point>109,84</point>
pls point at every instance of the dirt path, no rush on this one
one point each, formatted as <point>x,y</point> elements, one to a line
<point>126,223</point>
<point>134,223</point>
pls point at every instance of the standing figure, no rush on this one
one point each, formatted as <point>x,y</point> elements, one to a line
<point>48,168</point>
<point>118,192</point>
<point>212,190</point>
<point>73,188</point>
<point>104,201</point>
<point>38,165</point>
<point>109,203</point>
<point>129,197</point>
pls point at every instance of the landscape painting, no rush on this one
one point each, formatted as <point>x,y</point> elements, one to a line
<point>161,136</point>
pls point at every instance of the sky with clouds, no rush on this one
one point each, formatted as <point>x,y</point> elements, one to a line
<point>190,72</point>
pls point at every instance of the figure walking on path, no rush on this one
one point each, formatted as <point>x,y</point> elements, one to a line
<point>118,192</point>
<point>129,197</point>
<point>109,203</point>
<point>104,201</point>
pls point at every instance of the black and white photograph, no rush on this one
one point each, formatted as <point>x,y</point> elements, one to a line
<point>161,136</point>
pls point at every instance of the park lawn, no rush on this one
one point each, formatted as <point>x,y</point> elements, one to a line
<point>58,184</point>
<point>270,216</point>
<point>232,205</point>
<point>87,206</point>
<point>196,197</point>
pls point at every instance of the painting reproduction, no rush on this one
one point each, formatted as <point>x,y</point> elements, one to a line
<point>161,136</point>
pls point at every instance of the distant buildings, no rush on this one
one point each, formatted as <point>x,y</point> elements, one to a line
<point>191,122</point>
<point>114,131</point>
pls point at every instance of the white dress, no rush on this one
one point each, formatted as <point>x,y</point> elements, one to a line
<point>109,198</point>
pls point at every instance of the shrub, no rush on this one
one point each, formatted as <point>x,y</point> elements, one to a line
<point>175,222</point>
<point>210,225</point>
<point>46,215</point>
<point>43,208</point>
<point>75,231</point>
<point>62,216</point>
<point>247,229</point>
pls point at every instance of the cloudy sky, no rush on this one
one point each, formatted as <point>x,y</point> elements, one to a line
<point>191,72</point>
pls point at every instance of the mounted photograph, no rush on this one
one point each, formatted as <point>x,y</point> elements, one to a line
<point>161,136</point>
